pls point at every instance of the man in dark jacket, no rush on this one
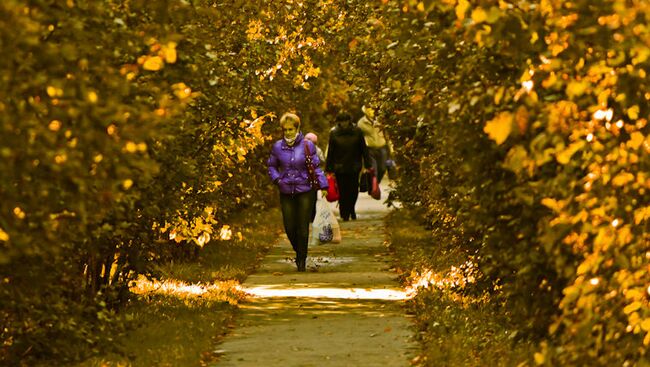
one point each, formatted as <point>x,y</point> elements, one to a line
<point>346,155</point>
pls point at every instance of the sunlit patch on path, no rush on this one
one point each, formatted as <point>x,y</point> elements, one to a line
<point>334,293</point>
<point>346,310</point>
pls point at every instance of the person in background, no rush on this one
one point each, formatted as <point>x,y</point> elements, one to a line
<point>288,169</point>
<point>346,155</point>
<point>375,140</point>
<point>314,139</point>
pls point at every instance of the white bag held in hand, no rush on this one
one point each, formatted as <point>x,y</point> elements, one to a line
<point>325,227</point>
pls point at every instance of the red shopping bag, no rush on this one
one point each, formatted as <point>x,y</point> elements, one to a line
<point>333,189</point>
<point>374,191</point>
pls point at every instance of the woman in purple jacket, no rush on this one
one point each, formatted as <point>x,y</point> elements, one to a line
<point>288,170</point>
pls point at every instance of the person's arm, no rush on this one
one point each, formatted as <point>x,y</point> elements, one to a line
<point>329,161</point>
<point>367,163</point>
<point>273,165</point>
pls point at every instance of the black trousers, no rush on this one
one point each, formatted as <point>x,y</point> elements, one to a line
<point>297,210</point>
<point>348,193</point>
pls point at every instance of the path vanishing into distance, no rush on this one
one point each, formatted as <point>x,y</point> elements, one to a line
<point>346,310</point>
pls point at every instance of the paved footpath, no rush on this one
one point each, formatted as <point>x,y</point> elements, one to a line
<point>346,310</point>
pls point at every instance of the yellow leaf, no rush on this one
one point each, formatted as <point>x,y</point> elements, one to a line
<point>479,15</point>
<point>54,91</point>
<point>54,125</point>
<point>576,88</point>
<point>19,213</point>
<point>499,95</point>
<point>183,93</point>
<point>4,237</point>
<point>632,307</point>
<point>636,140</point>
<point>546,7</point>
<point>420,6</point>
<point>499,128</point>
<point>539,358</point>
<point>583,268</point>
<point>153,63</point>
<point>640,53</point>
<point>92,97</point>
<point>641,214</point>
<point>622,179</point>
<point>550,81</point>
<point>169,52</point>
<point>565,155</point>
<point>461,9</point>
<point>553,204</point>
<point>633,112</point>
<point>131,147</point>
<point>127,183</point>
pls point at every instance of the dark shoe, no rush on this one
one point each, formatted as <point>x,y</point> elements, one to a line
<point>353,216</point>
<point>301,264</point>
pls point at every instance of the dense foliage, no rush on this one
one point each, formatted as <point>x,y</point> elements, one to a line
<point>131,130</point>
<point>528,123</point>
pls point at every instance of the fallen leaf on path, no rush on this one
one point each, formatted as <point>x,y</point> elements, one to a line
<point>278,273</point>
<point>388,329</point>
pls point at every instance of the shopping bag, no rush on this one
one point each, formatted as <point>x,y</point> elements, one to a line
<point>333,189</point>
<point>365,180</point>
<point>334,224</point>
<point>325,227</point>
<point>374,191</point>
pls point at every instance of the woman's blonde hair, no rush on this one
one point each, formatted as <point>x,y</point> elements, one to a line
<point>289,116</point>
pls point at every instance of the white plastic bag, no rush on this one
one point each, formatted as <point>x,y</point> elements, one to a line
<point>325,227</point>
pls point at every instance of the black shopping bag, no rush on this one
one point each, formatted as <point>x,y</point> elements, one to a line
<point>365,181</point>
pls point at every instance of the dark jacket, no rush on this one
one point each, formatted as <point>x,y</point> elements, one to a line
<point>288,169</point>
<point>347,150</point>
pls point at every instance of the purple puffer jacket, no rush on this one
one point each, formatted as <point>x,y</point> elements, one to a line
<point>287,167</point>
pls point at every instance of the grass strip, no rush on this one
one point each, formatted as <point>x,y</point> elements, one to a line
<point>454,327</point>
<point>179,320</point>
